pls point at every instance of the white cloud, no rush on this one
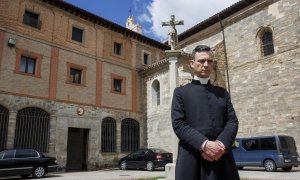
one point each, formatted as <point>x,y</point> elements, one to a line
<point>144,18</point>
<point>191,11</point>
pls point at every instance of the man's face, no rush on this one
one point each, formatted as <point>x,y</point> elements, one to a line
<point>202,64</point>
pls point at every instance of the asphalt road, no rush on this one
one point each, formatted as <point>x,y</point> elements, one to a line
<point>115,174</point>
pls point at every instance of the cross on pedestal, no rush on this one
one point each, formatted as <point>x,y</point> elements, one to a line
<point>173,39</point>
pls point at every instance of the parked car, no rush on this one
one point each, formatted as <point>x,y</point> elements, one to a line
<point>146,158</point>
<point>26,162</point>
<point>270,152</point>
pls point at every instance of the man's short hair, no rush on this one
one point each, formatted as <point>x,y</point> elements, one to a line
<point>201,48</point>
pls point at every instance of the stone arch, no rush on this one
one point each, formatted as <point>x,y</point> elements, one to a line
<point>155,91</point>
<point>265,41</point>
<point>130,135</point>
<point>108,134</point>
<point>32,129</point>
<point>4,118</point>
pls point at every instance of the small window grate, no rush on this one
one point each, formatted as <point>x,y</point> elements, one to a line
<point>267,43</point>
<point>32,129</point>
<point>130,135</point>
<point>4,117</point>
<point>108,135</point>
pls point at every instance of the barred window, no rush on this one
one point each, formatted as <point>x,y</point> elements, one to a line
<point>31,19</point>
<point>156,93</point>
<point>108,135</point>
<point>130,135</point>
<point>32,129</point>
<point>267,43</point>
<point>4,114</point>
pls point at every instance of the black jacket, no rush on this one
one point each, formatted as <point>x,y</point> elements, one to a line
<point>199,113</point>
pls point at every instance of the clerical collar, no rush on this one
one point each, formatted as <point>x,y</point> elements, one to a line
<point>202,80</point>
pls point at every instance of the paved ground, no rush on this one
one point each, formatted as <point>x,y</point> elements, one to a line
<point>115,174</point>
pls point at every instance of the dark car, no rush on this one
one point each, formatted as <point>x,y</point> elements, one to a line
<point>146,158</point>
<point>26,162</point>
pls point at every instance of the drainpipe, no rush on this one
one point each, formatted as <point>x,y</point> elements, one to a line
<point>226,60</point>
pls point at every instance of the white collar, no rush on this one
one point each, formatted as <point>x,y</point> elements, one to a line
<point>202,80</point>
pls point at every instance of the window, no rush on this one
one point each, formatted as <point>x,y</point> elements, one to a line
<point>26,153</point>
<point>34,124</point>
<point>267,43</point>
<point>156,93</point>
<point>268,144</point>
<point>118,84</point>
<point>4,117</point>
<point>75,75</point>
<point>117,48</point>
<point>146,58</point>
<point>77,34</point>
<point>9,154</point>
<point>27,65</point>
<point>108,135</point>
<point>250,144</point>
<point>31,19</point>
<point>130,135</point>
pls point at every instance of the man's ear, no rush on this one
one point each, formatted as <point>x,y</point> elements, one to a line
<point>191,63</point>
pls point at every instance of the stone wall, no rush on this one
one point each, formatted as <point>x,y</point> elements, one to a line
<point>63,116</point>
<point>264,90</point>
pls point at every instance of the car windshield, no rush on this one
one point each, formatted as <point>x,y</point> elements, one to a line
<point>1,155</point>
<point>159,151</point>
<point>287,142</point>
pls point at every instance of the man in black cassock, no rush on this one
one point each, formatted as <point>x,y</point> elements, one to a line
<point>205,122</point>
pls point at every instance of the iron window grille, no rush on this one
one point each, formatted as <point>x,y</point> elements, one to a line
<point>108,135</point>
<point>267,43</point>
<point>32,129</point>
<point>130,135</point>
<point>4,117</point>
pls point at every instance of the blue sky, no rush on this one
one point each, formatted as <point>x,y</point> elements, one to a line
<point>150,13</point>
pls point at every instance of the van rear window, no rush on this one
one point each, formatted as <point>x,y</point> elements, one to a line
<point>287,142</point>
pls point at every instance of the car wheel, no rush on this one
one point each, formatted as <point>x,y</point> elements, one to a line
<point>287,168</point>
<point>39,172</point>
<point>123,165</point>
<point>270,165</point>
<point>25,175</point>
<point>150,166</point>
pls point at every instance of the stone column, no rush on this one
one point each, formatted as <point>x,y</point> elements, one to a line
<point>118,150</point>
<point>11,129</point>
<point>173,56</point>
<point>52,134</point>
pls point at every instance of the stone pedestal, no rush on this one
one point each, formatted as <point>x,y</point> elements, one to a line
<point>173,56</point>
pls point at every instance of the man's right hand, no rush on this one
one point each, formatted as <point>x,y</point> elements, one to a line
<point>213,151</point>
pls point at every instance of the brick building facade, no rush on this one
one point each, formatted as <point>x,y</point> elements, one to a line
<point>69,83</point>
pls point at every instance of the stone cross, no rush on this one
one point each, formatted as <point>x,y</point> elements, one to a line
<point>173,39</point>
